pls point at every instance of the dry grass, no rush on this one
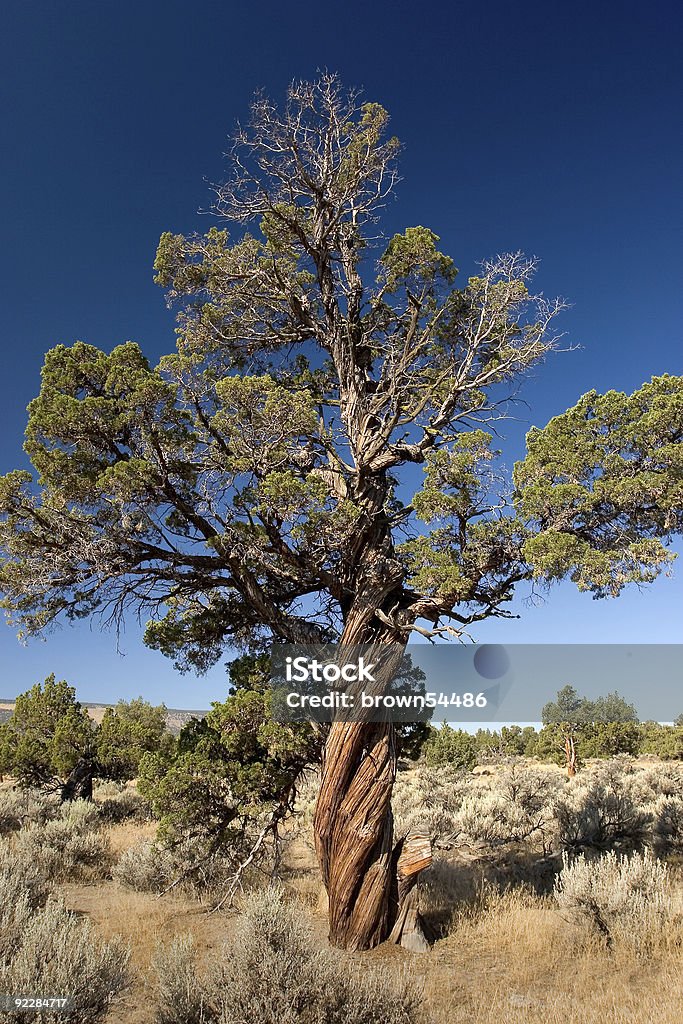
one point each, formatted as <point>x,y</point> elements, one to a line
<point>144,922</point>
<point>128,834</point>
<point>507,953</point>
<point>510,958</point>
<point>518,962</point>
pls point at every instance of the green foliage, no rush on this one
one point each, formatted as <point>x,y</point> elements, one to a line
<point>666,741</point>
<point>571,709</point>
<point>237,492</point>
<point>548,744</point>
<point>448,746</point>
<point>229,768</point>
<point>602,485</point>
<point>126,733</point>
<point>607,739</point>
<point>412,258</point>
<point>50,737</point>
<point>48,734</point>
<point>602,727</point>
<point>516,740</point>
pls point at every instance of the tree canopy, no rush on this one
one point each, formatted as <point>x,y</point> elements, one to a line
<point>47,736</point>
<point>51,742</point>
<point>126,733</point>
<point>258,484</point>
<point>574,710</point>
<point>246,487</point>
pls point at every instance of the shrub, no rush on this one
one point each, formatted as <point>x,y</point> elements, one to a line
<point>45,949</point>
<point>12,809</point>
<point>145,868</point>
<point>272,973</point>
<point>667,826</point>
<point>23,888</point>
<point>601,812</point>
<point>427,799</point>
<point>65,847</point>
<point>54,952</point>
<point>22,806</point>
<point>629,899</point>
<point>666,741</point>
<point>81,814</point>
<point>515,808</point>
<point>181,993</point>
<point>149,867</point>
<point>107,789</point>
<point>20,869</point>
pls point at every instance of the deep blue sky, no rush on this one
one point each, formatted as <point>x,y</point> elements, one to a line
<point>549,128</point>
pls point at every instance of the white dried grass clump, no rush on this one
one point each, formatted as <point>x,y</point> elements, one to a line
<point>628,899</point>
<point>145,868</point>
<point>272,973</point>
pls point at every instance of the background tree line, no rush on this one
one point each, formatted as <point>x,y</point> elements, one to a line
<point>236,759</point>
<point>599,728</point>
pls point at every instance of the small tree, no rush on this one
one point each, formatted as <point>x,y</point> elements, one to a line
<point>52,743</point>
<point>577,716</point>
<point>247,489</point>
<point>451,746</point>
<point>126,733</point>
<point>230,779</point>
<point>50,740</point>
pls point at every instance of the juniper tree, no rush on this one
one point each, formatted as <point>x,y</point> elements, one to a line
<point>126,733</point>
<point>232,775</point>
<point>604,726</point>
<point>252,486</point>
<point>50,741</point>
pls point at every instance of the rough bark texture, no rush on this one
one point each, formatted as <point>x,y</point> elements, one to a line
<point>368,879</point>
<point>79,784</point>
<point>353,828</point>
<point>412,855</point>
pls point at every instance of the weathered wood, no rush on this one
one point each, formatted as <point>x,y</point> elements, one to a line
<point>570,755</point>
<point>353,828</point>
<point>414,854</point>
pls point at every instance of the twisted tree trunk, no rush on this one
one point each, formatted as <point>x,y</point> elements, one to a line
<point>370,882</point>
<point>78,786</point>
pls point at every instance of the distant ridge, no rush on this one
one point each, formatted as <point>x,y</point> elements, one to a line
<point>176,718</point>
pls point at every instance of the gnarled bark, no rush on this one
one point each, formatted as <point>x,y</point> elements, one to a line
<point>368,879</point>
<point>370,882</point>
<point>79,784</point>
